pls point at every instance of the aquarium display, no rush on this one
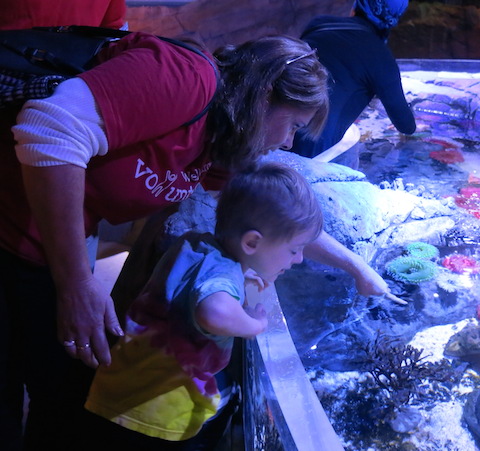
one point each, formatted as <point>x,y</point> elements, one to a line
<point>377,373</point>
<point>405,374</point>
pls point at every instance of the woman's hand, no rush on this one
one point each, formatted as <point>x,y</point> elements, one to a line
<point>369,283</point>
<point>85,311</point>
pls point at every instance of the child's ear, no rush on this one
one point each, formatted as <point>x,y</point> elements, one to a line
<point>250,241</point>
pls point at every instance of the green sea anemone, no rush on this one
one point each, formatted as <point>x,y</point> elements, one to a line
<point>411,269</point>
<point>422,250</point>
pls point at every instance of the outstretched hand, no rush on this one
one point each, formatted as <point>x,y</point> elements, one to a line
<point>85,312</point>
<point>370,283</point>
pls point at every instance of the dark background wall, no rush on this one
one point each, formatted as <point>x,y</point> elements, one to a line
<point>447,29</point>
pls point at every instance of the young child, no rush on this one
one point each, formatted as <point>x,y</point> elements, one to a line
<point>180,329</point>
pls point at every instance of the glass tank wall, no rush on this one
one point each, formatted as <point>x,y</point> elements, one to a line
<point>388,375</point>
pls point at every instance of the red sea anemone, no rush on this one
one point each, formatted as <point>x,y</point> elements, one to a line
<point>469,198</point>
<point>461,264</point>
<point>447,156</point>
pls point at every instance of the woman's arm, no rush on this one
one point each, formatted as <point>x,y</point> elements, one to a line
<point>221,314</point>
<point>389,90</point>
<point>85,309</point>
<point>56,137</point>
<point>325,249</point>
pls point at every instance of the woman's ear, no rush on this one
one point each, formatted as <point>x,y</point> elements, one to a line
<point>250,241</point>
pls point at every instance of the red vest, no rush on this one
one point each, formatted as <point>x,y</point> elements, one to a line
<point>145,89</point>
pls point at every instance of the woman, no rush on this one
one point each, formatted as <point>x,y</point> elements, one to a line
<point>116,143</point>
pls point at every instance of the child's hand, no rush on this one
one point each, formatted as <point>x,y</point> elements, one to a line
<point>259,313</point>
<point>251,277</point>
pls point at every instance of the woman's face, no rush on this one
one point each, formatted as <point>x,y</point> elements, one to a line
<point>281,124</point>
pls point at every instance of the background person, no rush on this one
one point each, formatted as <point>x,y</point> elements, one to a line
<point>354,50</point>
<point>21,14</point>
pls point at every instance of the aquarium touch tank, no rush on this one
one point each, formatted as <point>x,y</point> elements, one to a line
<point>391,375</point>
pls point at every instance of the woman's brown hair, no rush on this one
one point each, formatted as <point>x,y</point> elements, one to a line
<point>273,70</point>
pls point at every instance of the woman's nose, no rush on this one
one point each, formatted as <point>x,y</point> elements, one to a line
<point>288,142</point>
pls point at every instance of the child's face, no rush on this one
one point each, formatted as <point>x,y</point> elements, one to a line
<point>273,258</point>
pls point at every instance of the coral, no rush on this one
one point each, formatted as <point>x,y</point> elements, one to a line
<point>447,156</point>
<point>422,250</point>
<point>461,264</point>
<point>411,269</point>
<point>400,369</point>
<point>469,199</point>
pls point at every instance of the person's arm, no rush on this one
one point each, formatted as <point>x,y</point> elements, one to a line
<point>327,250</point>
<point>85,309</point>
<point>56,137</point>
<point>390,92</point>
<point>221,314</point>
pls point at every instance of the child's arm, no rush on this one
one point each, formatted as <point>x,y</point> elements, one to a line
<point>221,314</point>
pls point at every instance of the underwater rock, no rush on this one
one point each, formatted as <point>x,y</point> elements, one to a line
<point>398,184</point>
<point>461,264</point>
<point>471,413</point>
<point>315,171</point>
<point>363,216</point>
<point>465,345</point>
<point>406,419</point>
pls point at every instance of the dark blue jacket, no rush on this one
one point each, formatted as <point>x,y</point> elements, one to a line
<point>361,66</point>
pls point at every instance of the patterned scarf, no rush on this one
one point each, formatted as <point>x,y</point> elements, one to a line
<point>384,14</point>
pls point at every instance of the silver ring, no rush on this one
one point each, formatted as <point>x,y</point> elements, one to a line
<point>85,346</point>
<point>69,343</point>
